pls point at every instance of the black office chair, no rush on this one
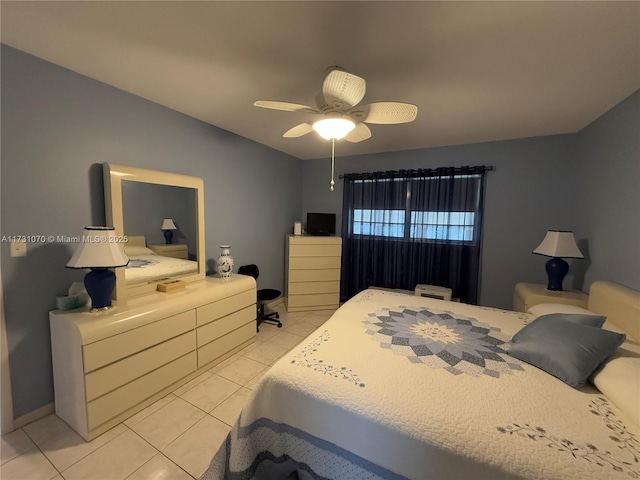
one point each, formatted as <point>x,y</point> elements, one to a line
<point>264,295</point>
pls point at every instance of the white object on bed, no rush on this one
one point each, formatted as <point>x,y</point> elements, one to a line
<point>547,308</point>
<point>362,398</point>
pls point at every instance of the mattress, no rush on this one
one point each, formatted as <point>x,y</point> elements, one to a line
<point>147,268</point>
<point>399,386</point>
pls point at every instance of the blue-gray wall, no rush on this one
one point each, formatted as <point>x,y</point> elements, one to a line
<point>606,168</point>
<point>586,182</point>
<point>57,129</point>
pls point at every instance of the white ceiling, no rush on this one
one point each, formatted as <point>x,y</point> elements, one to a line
<point>478,71</point>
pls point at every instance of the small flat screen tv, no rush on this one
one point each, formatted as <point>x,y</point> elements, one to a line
<point>321,223</point>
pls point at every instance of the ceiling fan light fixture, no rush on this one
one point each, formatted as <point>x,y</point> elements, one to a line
<point>333,128</point>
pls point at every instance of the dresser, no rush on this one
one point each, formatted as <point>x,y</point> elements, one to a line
<point>526,295</point>
<point>313,272</point>
<point>108,366</point>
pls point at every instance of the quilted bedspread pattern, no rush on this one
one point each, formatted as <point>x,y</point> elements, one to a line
<point>397,386</point>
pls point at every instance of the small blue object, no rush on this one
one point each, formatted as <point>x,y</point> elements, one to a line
<point>100,283</point>
<point>168,235</point>
<point>557,269</point>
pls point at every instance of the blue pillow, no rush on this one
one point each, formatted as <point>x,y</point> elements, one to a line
<point>565,348</point>
<point>581,318</point>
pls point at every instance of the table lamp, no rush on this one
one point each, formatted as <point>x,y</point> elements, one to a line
<point>100,252</point>
<point>558,244</point>
<point>167,226</point>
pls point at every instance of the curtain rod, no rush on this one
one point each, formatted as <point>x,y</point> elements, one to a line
<point>488,168</point>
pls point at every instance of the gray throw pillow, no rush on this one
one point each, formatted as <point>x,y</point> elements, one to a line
<point>564,348</point>
<point>581,318</point>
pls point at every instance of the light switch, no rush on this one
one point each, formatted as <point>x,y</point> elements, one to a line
<point>19,248</point>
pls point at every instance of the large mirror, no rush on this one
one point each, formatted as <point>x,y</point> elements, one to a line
<point>137,203</point>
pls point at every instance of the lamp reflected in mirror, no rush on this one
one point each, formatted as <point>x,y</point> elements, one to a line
<point>167,227</point>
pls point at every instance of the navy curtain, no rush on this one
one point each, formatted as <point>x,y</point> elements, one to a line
<point>408,227</point>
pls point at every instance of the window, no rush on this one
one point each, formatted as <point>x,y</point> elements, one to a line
<point>383,223</point>
<point>402,228</point>
<point>413,223</point>
<point>457,226</point>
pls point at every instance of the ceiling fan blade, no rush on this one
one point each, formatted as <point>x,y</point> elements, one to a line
<point>342,89</point>
<point>358,134</point>
<point>298,130</point>
<point>388,112</point>
<point>285,106</point>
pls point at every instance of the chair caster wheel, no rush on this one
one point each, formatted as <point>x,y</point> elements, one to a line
<point>279,325</point>
<point>277,315</point>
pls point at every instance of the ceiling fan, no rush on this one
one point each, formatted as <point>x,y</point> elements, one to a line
<point>339,115</point>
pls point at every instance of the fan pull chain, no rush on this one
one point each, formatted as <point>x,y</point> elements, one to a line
<point>333,161</point>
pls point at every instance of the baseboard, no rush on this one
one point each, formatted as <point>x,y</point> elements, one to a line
<point>34,415</point>
<point>275,302</point>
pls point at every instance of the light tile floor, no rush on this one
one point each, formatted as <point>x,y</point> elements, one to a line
<point>173,439</point>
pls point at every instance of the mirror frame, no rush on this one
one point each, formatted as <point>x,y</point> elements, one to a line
<point>113,176</point>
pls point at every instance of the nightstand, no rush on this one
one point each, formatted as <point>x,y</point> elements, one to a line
<point>528,294</point>
<point>174,250</point>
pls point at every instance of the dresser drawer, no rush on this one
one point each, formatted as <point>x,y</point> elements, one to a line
<point>114,403</point>
<point>313,300</point>
<point>313,240</point>
<point>212,311</point>
<point>111,349</point>
<point>209,352</point>
<point>314,275</point>
<point>120,373</point>
<point>301,288</point>
<point>224,325</point>
<point>301,263</point>
<point>315,250</point>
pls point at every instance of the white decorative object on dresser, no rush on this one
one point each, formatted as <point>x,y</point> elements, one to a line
<point>313,272</point>
<point>174,250</point>
<point>108,366</point>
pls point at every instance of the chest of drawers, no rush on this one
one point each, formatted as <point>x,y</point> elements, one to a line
<point>313,272</point>
<point>107,366</point>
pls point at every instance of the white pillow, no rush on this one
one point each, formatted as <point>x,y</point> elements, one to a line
<point>619,379</point>
<point>133,251</point>
<point>546,308</point>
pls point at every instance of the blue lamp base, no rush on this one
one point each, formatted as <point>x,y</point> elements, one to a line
<point>100,283</point>
<point>168,235</point>
<point>556,269</point>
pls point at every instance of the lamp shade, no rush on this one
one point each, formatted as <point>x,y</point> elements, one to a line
<point>98,249</point>
<point>559,244</point>
<point>167,224</point>
<point>333,128</point>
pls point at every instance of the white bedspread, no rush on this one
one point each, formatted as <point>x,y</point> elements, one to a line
<point>397,386</point>
<point>146,268</point>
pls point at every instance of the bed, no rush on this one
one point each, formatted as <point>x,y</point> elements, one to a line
<point>398,386</point>
<point>146,266</point>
